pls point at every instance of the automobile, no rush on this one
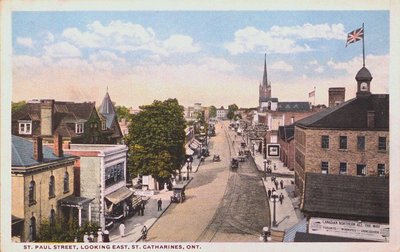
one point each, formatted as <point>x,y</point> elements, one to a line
<point>205,152</point>
<point>216,158</point>
<point>178,193</point>
<point>234,163</point>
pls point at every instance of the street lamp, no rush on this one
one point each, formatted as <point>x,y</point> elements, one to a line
<point>274,197</point>
<point>253,149</point>
<point>265,169</point>
<point>187,172</point>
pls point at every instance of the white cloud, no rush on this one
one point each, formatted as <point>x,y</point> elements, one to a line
<point>128,37</point>
<point>281,66</point>
<point>319,69</point>
<point>25,61</point>
<point>62,50</point>
<point>252,39</point>
<point>282,39</point>
<point>309,31</point>
<point>217,64</point>
<point>313,62</point>
<point>49,38</point>
<point>27,42</point>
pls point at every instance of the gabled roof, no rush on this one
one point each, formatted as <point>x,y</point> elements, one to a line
<point>351,114</point>
<point>351,197</point>
<point>22,153</point>
<point>286,133</point>
<point>293,106</point>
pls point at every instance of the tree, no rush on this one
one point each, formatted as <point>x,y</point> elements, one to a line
<point>213,111</point>
<point>156,139</point>
<point>231,111</point>
<point>122,112</point>
<point>17,105</point>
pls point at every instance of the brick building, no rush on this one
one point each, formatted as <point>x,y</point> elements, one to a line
<point>351,138</point>
<point>41,179</point>
<point>286,142</point>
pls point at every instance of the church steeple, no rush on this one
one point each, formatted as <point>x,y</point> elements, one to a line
<point>265,86</point>
<point>265,76</point>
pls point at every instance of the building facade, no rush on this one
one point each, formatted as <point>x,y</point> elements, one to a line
<point>222,113</point>
<point>41,179</point>
<point>350,139</point>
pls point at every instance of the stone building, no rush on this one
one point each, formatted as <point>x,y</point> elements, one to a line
<point>222,113</point>
<point>41,179</point>
<point>350,139</point>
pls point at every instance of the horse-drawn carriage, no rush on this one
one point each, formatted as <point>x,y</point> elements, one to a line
<point>234,163</point>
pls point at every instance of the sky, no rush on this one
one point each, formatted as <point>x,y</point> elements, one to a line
<point>212,57</point>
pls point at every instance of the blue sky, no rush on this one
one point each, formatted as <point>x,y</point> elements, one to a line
<point>213,57</point>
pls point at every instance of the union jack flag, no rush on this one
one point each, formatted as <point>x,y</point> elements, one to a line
<point>355,36</point>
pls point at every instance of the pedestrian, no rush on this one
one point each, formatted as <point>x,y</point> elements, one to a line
<point>281,198</point>
<point>281,183</point>
<point>276,184</point>
<point>144,232</point>
<point>273,190</point>
<point>106,236</point>
<point>122,229</point>
<point>274,167</point>
<point>142,209</point>
<point>269,193</point>
<point>159,203</point>
<point>126,210</point>
<point>91,237</point>
<point>99,235</point>
<point>86,237</point>
<point>272,178</point>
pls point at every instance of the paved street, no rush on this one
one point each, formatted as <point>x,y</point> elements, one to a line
<point>221,205</point>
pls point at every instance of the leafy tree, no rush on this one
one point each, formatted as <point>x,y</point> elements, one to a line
<point>156,139</point>
<point>213,111</point>
<point>122,112</point>
<point>17,105</point>
<point>231,111</point>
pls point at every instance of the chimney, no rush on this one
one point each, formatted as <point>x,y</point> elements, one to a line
<point>58,145</point>
<point>46,117</point>
<point>370,119</point>
<point>336,96</point>
<point>38,149</point>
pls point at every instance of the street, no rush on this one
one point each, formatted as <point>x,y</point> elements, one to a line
<point>221,205</point>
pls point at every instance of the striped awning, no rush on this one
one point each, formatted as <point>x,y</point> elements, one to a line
<point>119,195</point>
<point>194,144</point>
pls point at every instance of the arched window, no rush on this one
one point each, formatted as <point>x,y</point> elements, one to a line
<point>51,186</point>
<point>32,229</point>
<point>66,182</point>
<point>32,192</point>
<point>52,217</point>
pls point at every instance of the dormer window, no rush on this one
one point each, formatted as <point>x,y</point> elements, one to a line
<point>79,128</point>
<point>25,127</point>
<point>103,125</point>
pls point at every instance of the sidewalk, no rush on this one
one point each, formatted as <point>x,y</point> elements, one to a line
<point>288,213</point>
<point>134,224</point>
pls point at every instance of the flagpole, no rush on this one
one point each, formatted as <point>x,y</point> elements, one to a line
<point>363,45</point>
<point>314,95</point>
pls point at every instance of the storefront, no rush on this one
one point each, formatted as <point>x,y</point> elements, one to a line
<point>117,205</point>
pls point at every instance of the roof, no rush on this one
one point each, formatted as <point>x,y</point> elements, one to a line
<point>363,74</point>
<point>351,114</point>
<point>22,153</point>
<point>267,99</point>
<point>107,110</point>
<point>286,133</point>
<point>307,237</point>
<point>351,197</point>
<point>301,226</point>
<point>293,106</point>
<point>74,201</point>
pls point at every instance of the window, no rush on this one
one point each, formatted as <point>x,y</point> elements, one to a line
<point>51,187</point>
<point>52,218</point>
<point>79,128</point>
<point>343,168</point>
<point>361,143</point>
<point>114,174</point>
<point>324,167</point>
<point>382,144</point>
<point>25,128</point>
<point>343,142</point>
<point>325,142</point>
<point>361,170</point>
<point>292,120</point>
<point>103,125</point>
<point>32,193</point>
<point>66,182</point>
<point>381,170</point>
<point>32,229</point>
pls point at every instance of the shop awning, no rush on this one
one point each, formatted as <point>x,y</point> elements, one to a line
<point>136,201</point>
<point>119,195</point>
<point>73,201</point>
<point>15,220</point>
<point>194,144</point>
<point>189,151</point>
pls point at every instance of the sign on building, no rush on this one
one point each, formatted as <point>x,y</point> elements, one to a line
<point>273,150</point>
<point>349,229</point>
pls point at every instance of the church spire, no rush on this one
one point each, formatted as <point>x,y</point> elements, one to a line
<point>265,76</point>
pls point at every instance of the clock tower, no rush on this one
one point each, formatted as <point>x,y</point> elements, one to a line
<point>363,79</point>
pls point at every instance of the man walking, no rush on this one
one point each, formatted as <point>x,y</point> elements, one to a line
<point>122,229</point>
<point>269,193</point>
<point>276,184</point>
<point>281,183</point>
<point>281,198</point>
<point>159,203</point>
<point>142,209</point>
